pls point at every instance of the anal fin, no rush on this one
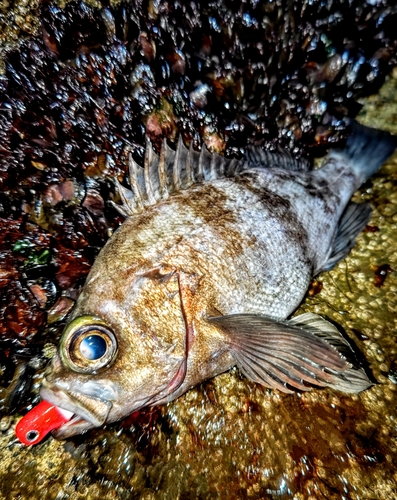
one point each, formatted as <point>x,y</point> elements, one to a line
<point>298,354</point>
<point>352,222</point>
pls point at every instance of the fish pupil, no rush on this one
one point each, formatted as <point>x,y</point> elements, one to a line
<point>32,435</point>
<point>93,347</point>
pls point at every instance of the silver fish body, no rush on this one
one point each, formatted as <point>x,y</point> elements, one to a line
<point>203,276</point>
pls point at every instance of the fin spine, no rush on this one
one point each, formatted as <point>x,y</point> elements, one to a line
<point>149,154</point>
<point>162,171</point>
<point>133,171</point>
<point>176,167</point>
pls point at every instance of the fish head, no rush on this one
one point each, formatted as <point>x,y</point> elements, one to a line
<point>124,348</point>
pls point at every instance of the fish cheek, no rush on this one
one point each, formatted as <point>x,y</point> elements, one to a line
<point>152,349</point>
<point>169,331</point>
<point>154,306</point>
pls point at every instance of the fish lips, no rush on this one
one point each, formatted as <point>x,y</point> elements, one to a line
<point>89,411</point>
<point>75,426</point>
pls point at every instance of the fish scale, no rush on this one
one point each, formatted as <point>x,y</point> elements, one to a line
<point>213,258</point>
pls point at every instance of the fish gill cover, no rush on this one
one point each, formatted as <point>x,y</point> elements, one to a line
<point>84,91</point>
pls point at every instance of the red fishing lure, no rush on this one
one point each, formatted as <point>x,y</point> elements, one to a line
<point>41,420</point>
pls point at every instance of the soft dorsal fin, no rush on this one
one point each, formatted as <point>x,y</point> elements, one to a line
<point>280,159</point>
<point>176,170</point>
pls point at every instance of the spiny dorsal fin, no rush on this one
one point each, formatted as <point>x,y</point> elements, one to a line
<point>176,170</point>
<point>168,173</point>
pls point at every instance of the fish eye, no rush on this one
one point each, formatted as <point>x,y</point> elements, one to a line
<point>88,345</point>
<point>93,347</point>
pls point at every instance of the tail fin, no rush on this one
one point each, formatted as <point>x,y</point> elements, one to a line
<point>367,149</point>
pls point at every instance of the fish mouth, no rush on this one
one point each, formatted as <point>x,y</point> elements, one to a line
<point>89,411</point>
<point>76,425</point>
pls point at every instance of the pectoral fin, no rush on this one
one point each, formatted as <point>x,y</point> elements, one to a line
<point>298,353</point>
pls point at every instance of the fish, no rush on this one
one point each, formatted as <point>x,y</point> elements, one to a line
<point>214,257</point>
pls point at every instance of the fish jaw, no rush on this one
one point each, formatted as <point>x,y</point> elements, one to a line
<point>93,402</point>
<point>89,411</point>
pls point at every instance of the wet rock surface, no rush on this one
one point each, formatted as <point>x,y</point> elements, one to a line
<point>75,99</point>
